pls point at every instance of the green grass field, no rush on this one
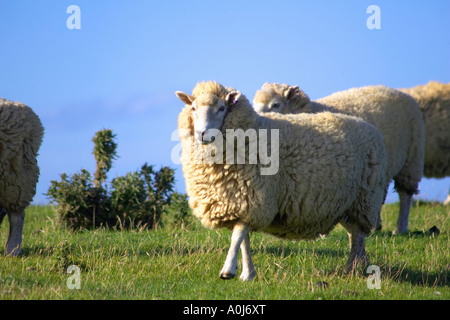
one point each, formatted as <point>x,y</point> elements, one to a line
<point>184,263</point>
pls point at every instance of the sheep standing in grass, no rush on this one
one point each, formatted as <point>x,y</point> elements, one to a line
<point>331,169</point>
<point>434,102</point>
<point>392,112</point>
<point>21,134</point>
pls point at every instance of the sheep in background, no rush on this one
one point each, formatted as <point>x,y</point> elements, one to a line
<point>21,134</point>
<point>331,170</point>
<point>395,114</point>
<point>434,102</point>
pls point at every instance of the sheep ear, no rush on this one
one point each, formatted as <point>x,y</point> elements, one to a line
<point>232,98</point>
<point>291,92</point>
<point>186,98</point>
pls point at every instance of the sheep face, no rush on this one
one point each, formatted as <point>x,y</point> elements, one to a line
<point>284,99</point>
<point>268,101</point>
<point>209,113</point>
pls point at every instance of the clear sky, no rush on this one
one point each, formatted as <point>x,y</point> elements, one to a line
<point>121,69</point>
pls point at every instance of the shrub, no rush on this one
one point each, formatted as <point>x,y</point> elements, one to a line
<point>80,204</point>
<point>141,197</point>
<point>137,199</point>
<point>178,214</point>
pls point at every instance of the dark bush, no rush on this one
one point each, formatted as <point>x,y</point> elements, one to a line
<point>137,199</point>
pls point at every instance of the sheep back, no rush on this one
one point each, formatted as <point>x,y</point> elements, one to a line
<point>21,135</point>
<point>434,102</point>
<point>332,169</point>
<point>399,120</point>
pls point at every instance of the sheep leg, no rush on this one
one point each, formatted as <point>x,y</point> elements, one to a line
<point>358,254</point>
<point>447,201</point>
<point>378,226</point>
<point>379,222</point>
<point>248,269</point>
<point>2,214</point>
<point>240,232</point>
<point>16,220</point>
<point>403,215</point>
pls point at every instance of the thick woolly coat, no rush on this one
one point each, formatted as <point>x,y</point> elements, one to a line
<point>434,102</point>
<point>331,169</point>
<point>21,134</point>
<point>395,114</point>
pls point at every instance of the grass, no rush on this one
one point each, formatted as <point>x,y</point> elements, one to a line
<point>184,263</point>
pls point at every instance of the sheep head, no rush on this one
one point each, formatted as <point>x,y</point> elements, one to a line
<point>208,112</point>
<point>273,97</point>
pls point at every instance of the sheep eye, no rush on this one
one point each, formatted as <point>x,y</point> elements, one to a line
<point>275,105</point>
<point>193,108</point>
<point>222,108</point>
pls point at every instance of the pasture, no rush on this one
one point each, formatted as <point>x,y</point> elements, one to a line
<point>184,262</point>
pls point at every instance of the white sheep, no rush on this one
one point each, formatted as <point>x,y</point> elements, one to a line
<point>331,170</point>
<point>21,134</point>
<point>434,102</point>
<point>395,114</point>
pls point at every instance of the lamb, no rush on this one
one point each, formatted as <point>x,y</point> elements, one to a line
<point>392,112</point>
<point>331,170</point>
<point>21,135</point>
<point>434,102</point>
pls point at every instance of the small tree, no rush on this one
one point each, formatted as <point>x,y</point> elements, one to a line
<point>104,153</point>
<point>138,198</point>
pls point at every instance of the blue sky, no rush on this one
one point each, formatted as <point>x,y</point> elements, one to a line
<point>121,69</point>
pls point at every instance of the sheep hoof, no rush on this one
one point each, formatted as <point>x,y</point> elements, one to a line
<point>15,252</point>
<point>352,266</point>
<point>247,277</point>
<point>398,231</point>
<point>227,276</point>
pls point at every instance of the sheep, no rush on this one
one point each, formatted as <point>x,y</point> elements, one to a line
<point>434,102</point>
<point>21,135</point>
<point>396,115</point>
<point>331,170</point>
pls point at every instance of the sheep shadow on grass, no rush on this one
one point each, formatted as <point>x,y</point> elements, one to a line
<point>283,252</point>
<point>404,274</point>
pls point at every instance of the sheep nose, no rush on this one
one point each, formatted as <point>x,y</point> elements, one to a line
<point>200,134</point>
<point>204,137</point>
